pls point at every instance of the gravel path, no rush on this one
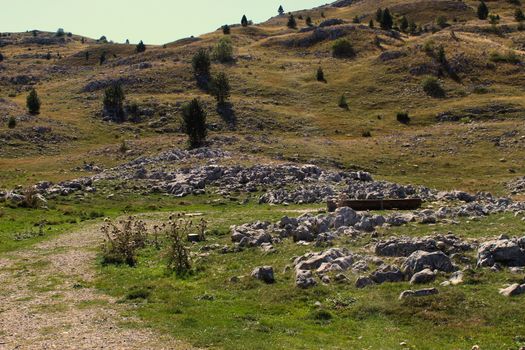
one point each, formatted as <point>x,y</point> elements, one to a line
<point>46,301</point>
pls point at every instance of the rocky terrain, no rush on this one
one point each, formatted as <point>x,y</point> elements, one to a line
<point>231,245</point>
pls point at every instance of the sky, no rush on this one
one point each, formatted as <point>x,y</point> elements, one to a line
<point>153,21</point>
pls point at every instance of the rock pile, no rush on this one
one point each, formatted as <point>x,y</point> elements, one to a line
<point>504,251</point>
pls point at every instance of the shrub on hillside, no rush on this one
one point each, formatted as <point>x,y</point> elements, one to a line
<point>308,21</point>
<point>33,102</point>
<point>11,123</point>
<point>343,103</point>
<point>140,47</point>
<point>387,20</point>
<point>194,123</point>
<point>292,23</point>
<point>483,10</point>
<point>432,87</point>
<point>201,63</point>
<point>226,30</point>
<point>1,57</point>
<point>223,51</point>
<point>220,87</point>
<point>320,74</point>
<point>114,102</point>
<point>403,24</point>
<point>441,21</point>
<point>123,240</point>
<point>519,16</point>
<point>403,118</point>
<point>60,32</point>
<point>280,10</point>
<point>342,48</point>
<point>244,21</point>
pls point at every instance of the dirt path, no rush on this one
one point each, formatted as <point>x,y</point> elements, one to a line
<point>46,301</point>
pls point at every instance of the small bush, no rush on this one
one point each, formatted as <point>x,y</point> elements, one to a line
<point>1,57</point>
<point>321,315</point>
<point>11,123</point>
<point>123,240</point>
<point>366,133</point>
<point>308,21</point>
<point>244,21</point>
<point>441,21</point>
<point>432,87</point>
<point>226,30</point>
<point>403,118</point>
<point>342,48</point>
<point>320,74</point>
<point>342,102</point>
<point>483,10</point>
<point>519,16</point>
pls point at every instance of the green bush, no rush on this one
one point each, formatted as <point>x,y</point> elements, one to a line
<point>226,30</point>
<point>220,87</point>
<point>342,102</point>
<point>140,47</point>
<point>11,123</point>
<point>201,63</point>
<point>432,87</point>
<point>123,240</point>
<point>483,10</point>
<point>320,74</point>
<point>194,123</point>
<point>33,102</point>
<point>342,48</point>
<point>292,23</point>
<point>403,118</point>
<point>223,51</point>
<point>114,102</point>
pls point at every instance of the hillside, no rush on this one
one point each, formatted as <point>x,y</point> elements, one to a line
<point>464,138</point>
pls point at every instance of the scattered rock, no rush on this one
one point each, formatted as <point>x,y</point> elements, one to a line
<point>418,293</point>
<point>424,276</point>
<point>420,260</point>
<point>264,273</point>
<point>513,290</point>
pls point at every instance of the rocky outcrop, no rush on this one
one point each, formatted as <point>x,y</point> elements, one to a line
<point>507,252</point>
<point>420,260</point>
<point>418,293</point>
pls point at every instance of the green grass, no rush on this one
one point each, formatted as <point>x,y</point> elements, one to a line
<point>208,310</point>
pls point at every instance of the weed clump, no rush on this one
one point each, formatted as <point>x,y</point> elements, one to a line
<point>178,255</point>
<point>403,118</point>
<point>123,240</point>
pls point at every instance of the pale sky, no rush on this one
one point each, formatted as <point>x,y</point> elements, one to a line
<point>154,21</point>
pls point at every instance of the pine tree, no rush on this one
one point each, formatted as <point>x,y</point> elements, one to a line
<point>140,47</point>
<point>194,122</point>
<point>483,10</point>
<point>386,20</point>
<point>226,30</point>
<point>87,55</point>
<point>33,103</point>
<point>292,23</point>
<point>201,63</point>
<point>102,58</point>
<point>244,21</point>
<point>320,74</point>
<point>412,27</point>
<point>379,15</point>
<point>308,21</point>
<point>342,102</point>
<point>220,87</point>
<point>281,10</point>
<point>403,24</point>
<point>114,102</point>
<point>371,23</point>
<point>519,15</point>
<point>11,123</point>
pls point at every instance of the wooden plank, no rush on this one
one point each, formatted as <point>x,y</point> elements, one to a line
<point>376,204</point>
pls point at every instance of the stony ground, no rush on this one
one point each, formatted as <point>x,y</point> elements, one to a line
<point>47,301</point>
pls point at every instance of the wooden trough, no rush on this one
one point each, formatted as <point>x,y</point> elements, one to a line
<point>376,204</point>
